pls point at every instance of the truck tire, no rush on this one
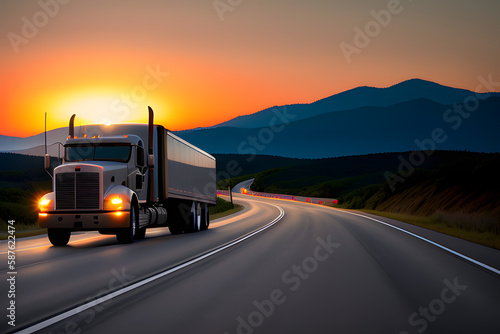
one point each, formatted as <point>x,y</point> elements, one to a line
<point>176,229</point>
<point>58,236</point>
<point>175,220</point>
<point>126,235</point>
<point>205,217</point>
<point>140,234</point>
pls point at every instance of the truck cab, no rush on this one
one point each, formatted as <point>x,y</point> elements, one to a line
<point>96,188</point>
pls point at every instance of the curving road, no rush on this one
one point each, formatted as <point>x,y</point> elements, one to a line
<point>316,270</point>
<point>245,184</point>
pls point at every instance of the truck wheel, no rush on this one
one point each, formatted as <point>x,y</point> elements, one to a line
<point>193,223</point>
<point>205,217</point>
<point>198,222</point>
<point>126,235</point>
<point>59,237</point>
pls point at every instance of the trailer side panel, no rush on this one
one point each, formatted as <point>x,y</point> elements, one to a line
<point>190,172</point>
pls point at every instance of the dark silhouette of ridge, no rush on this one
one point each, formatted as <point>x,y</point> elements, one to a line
<point>364,130</point>
<point>363,96</point>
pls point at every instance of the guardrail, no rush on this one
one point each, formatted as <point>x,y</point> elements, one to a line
<point>313,200</point>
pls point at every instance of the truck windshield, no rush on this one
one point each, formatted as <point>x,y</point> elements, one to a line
<point>111,152</point>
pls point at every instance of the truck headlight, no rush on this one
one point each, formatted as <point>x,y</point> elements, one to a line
<point>44,204</point>
<point>114,202</point>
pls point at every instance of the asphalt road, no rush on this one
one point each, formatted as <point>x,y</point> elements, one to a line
<point>245,184</point>
<point>317,270</point>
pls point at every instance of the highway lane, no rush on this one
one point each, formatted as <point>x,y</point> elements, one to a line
<point>318,270</point>
<point>51,279</point>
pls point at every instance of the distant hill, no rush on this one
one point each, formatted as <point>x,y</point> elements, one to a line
<point>23,171</point>
<point>233,165</point>
<point>12,144</point>
<point>12,162</point>
<point>356,98</point>
<point>362,131</point>
<point>296,175</point>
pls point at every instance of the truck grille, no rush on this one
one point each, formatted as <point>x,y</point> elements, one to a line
<point>77,191</point>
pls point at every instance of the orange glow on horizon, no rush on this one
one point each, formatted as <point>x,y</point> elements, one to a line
<point>109,106</point>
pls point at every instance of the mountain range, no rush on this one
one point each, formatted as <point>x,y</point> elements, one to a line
<point>412,115</point>
<point>409,90</point>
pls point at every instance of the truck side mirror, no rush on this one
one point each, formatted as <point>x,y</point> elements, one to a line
<point>46,162</point>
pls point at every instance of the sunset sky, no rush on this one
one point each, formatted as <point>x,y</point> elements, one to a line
<point>202,62</point>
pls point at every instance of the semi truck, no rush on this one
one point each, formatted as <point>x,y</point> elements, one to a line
<point>122,179</point>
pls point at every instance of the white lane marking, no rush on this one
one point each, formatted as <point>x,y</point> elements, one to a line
<point>49,244</point>
<point>235,217</point>
<point>86,306</point>
<point>485,266</point>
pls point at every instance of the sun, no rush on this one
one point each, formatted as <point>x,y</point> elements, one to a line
<point>94,109</point>
<point>99,107</point>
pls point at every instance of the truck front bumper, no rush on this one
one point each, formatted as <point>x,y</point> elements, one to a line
<point>84,220</point>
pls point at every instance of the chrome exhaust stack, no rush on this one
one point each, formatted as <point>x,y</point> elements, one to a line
<point>151,158</point>
<point>72,127</point>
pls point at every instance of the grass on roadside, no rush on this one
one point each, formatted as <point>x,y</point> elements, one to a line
<point>223,208</point>
<point>25,234</point>
<point>19,227</point>
<point>236,208</point>
<point>21,230</point>
<point>451,224</point>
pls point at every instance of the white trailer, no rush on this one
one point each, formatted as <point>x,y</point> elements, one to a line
<point>121,179</point>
